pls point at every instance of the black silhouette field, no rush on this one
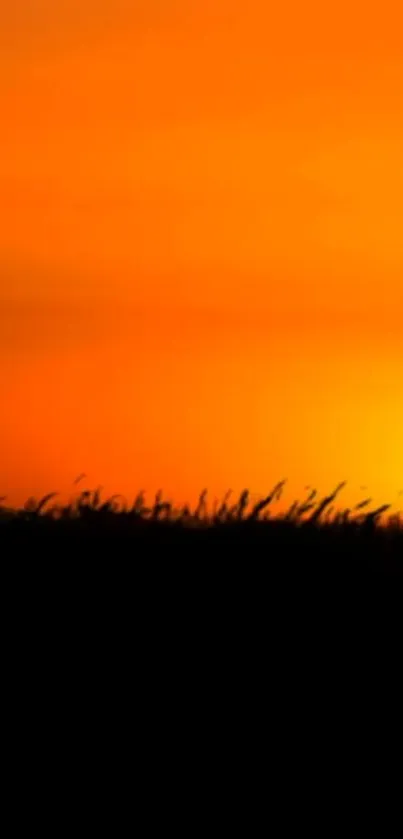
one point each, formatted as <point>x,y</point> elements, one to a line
<point>196,614</point>
<point>313,540</point>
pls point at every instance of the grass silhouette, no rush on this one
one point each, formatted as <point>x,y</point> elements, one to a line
<point>210,585</point>
<point>310,530</point>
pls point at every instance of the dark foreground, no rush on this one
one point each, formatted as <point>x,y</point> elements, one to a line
<point>186,625</point>
<point>247,572</point>
<point>164,601</point>
<point>311,545</point>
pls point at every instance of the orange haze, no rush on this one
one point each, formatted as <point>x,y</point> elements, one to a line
<point>201,244</point>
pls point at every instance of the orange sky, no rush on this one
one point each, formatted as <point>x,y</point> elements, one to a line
<point>201,249</point>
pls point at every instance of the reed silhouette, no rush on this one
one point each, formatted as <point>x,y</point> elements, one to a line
<point>223,586</point>
<point>356,539</point>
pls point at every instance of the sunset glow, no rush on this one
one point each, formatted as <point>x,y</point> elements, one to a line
<point>201,245</point>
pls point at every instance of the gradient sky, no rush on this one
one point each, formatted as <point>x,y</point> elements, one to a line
<point>201,249</point>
